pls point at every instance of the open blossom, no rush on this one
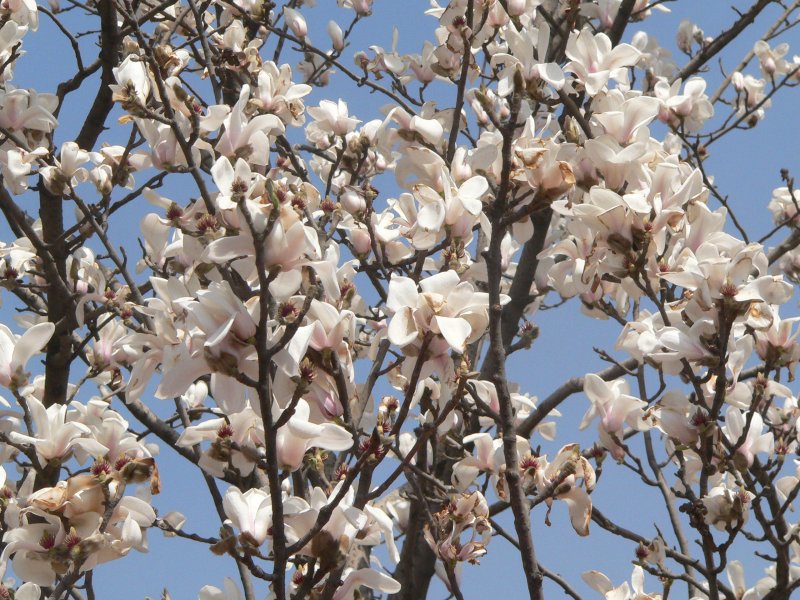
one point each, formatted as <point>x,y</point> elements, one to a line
<point>594,61</point>
<point>690,109</point>
<point>249,512</point>
<point>22,109</point>
<point>602,584</point>
<point>344,526</point>
<point>67,172</point>
<point>528,50</point>
<point>746,434</point>
<point>464,514</point>
<point>615,407</point>
<point>278,94</point>
<point>771,60</point>
<point>308,322</point>
<point>55,436</point>
<point>245,135</point>
<point>133,83</point>
<point>576,480</point>
<point>726,506</point>
<point>457,209</point>
<point>330,119</point>
<point>298,435</point>
<point>489,458</point>
<point>16,351</point>
<point>446,306</point>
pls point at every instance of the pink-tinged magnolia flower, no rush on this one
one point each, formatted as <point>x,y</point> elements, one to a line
<point>752,96</point>
<point>16,351</point>
<point>25,109</point>
<point>629,122</point>
<point>296,22</point>
<point>615,407</point>
<point>24,12</point>
<point>677,417</point>
<point>279,95</point>
<point>362,7</point>
<point>465,513</point>
<point>337,36</point>
<point>772,60</point>
<point>446,306</point>
<point>691,109</point>
<point>594,61</point>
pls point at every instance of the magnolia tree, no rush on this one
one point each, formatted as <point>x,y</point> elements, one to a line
<point>322,303</point>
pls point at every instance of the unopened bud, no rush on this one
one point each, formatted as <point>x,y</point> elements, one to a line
<point>295,21</point>
<point>337,37</point>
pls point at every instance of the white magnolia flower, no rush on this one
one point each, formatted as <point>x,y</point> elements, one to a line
<point>594,61</point>
<point>231,592</point>
<point>67,172</point>
<point>249,512</point>
<point>133,81</point>
<point>446,306</point>
<point>55,435</point>
<point>16,351</point>
<point>746,434</point>
<point>370,578</point>
<point>528,49</point>
<point>615,407</point>
<point>298,435</point>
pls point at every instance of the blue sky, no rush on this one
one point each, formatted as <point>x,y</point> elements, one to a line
<point>746,165</point>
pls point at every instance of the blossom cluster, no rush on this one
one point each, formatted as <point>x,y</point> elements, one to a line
<point>335,355</point>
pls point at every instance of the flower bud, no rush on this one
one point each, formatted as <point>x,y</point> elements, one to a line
<point>363,7</point>
<point>361,241</point>
<point>295,21</point>
<point>516,7</point>
<point>352,201</point>
<point>337,37</point>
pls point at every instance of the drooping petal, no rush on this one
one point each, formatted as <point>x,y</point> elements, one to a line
<point>455,331</point>
<point>31,342</point>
